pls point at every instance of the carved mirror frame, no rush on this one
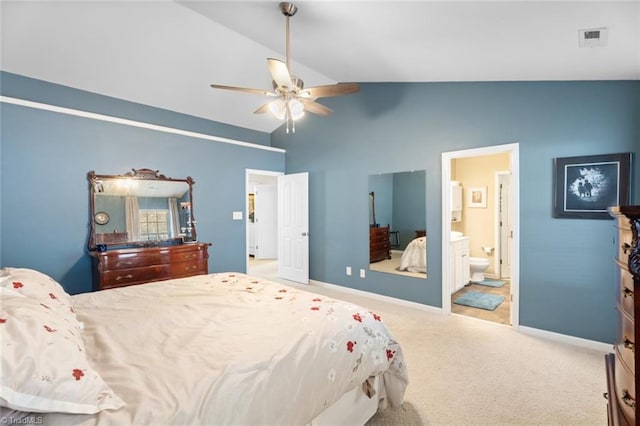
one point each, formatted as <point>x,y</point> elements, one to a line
<point>95,183</point>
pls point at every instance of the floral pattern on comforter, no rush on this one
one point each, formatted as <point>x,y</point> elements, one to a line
<point>228,348</point>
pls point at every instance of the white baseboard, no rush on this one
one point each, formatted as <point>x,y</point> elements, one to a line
<point>549,335</point>
<point>571,340</point>
<point>370,295</point>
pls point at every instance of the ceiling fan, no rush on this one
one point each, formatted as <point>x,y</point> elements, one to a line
<point>292,98</point>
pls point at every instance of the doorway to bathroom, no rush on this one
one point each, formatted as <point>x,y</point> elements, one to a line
<point>480,267</point>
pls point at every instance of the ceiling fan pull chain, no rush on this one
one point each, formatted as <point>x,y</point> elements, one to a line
<point>286,116</point>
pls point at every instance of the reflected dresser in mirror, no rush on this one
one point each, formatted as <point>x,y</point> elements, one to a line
<point>142,229</point>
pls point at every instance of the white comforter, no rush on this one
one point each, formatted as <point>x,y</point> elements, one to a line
<point>230,349</point>
<point>414,257</point>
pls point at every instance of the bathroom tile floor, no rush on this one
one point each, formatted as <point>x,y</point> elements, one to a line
<point>500,315</point>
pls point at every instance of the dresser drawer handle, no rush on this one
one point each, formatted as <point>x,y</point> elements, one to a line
<point>625,247</point>
<point>628,399</point>
<point>190,268</point>
<point>124,263</point>
<point>124,277</point>
<point>628,344</point>
<point>627,293</point>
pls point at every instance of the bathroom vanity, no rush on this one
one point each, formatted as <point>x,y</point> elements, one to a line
<point>459,262</point>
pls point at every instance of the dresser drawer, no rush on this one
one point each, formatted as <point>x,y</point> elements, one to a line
<point>111,261</point>
<point>625,390</point>
<point>623,242</point>
<point>187,256</point>
<point>379,238</point>
<point>122,277</point>
<point>625,344</point>
<point>625,292</point>
<point>186,269</point>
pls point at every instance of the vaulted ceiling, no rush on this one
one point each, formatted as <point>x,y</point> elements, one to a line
<point>167,53</point>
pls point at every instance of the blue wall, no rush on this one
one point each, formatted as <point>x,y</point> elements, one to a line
<point>566,274</point>
<point>382,187</point>
<point>565,280</point>
<point>409,203</point>
<point>46,156</point>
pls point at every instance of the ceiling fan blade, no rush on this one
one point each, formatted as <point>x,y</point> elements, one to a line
<point>314,107</point>
<point>244,89</point>
<point>264,108</point>
<point>280,73</point>
<point>330,90</point>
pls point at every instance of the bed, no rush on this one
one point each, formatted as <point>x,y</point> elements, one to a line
<point>414,256</point>
<point>223,348</point>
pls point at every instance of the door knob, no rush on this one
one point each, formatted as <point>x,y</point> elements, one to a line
<point>305,234</point>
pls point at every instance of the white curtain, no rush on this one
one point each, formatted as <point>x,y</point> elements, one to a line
<point>132,218</point>
<point>174,217</point>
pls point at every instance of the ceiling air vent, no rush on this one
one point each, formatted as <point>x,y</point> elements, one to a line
<point>593,37</point>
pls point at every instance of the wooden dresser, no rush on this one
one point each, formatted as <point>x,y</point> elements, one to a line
<point>621,366</point>
<point>379,243</point>
<point>119,268</point>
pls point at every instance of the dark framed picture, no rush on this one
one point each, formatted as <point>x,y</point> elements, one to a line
<point>586,186</point>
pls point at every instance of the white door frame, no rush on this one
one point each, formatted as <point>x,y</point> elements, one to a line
<point>500,202</point>
<point>513,150</point>
<point>249,172</point>
<point>265,226</point>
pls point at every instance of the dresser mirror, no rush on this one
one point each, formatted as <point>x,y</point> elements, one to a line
<point>140,208</point>
<point>397,223</point>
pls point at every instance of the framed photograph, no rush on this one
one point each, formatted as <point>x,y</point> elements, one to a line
<point>586,186</point>
<point>477,196</point>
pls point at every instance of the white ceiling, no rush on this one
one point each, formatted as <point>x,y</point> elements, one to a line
<point>166,53</point>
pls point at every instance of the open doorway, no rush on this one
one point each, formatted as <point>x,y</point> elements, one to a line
<point>480,267</point>
<point>262,223</point>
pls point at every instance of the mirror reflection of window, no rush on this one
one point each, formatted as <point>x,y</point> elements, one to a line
<point>397,223</point>
<point>154,225</point>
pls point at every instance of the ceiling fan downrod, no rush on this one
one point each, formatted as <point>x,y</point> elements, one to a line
<point>288,10</point>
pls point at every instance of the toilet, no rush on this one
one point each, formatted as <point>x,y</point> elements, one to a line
<point>477,266</point>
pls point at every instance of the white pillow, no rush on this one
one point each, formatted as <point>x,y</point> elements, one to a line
<point>44,367</point>
<point>40,287</point>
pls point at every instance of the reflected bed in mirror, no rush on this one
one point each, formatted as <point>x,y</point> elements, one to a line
<point>140,208</point>
<point>397,223</point>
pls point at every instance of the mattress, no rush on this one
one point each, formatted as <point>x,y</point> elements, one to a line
<point>229,348</point>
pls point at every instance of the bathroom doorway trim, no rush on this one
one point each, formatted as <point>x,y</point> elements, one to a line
<point>513,150</point>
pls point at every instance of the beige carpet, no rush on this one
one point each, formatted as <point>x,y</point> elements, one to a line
<point>465,371</point>
<point>391,266</point>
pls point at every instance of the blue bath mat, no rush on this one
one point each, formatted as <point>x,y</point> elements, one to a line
<point>489,282</point>
<point>480,300</point>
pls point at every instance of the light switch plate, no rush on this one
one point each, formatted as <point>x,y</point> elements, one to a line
<point>237,215</point>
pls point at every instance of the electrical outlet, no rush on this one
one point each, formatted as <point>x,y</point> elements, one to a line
<point>348,270</point>
<point>361,273</point>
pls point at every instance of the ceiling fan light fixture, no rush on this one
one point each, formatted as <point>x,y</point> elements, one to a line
<point>296,109</point>
<point>278,109</point>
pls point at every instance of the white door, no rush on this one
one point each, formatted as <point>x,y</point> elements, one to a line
<point>506,225</point>
<point>265,222</point>
<point>293,227</point>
